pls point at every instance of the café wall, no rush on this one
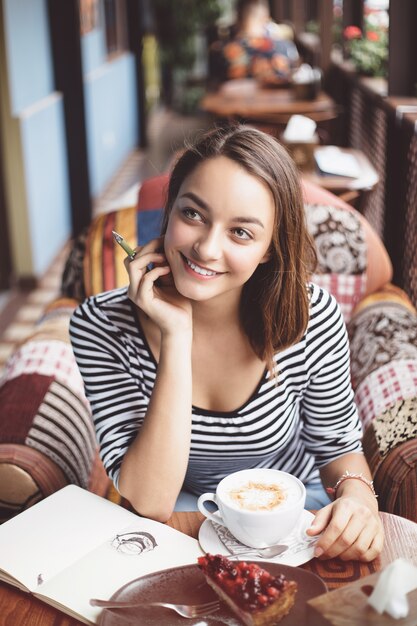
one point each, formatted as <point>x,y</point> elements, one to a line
<point>33,128</point>
<point>110,108</point>
<point>34,147</point>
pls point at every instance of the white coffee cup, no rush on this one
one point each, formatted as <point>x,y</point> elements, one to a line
<point>258,506</point>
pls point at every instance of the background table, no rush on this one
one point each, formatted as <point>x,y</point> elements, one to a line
<point>248,101</point>
<point>21,609</point>
<point>352,190</point>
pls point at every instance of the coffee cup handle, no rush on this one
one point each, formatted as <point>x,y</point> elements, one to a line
<point>209,497</point>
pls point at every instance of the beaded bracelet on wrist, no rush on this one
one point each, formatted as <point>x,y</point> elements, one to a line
<point>347,476</point>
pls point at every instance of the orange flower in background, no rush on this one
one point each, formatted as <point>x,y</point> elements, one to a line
<point>368,51</point>
<point>352,32</point>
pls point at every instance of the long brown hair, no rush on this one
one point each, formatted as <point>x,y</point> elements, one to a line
<point>274,307</point>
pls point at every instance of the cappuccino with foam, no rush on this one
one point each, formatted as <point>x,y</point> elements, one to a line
<point>258,506</point>
<point>256,496</point>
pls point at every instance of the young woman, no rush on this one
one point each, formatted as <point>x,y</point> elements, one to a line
<point>221,356</point>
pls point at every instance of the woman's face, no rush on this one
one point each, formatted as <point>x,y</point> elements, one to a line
<point>219,230</point>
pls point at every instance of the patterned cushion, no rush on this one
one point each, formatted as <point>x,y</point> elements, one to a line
<point>383,329</point>
<point>96,261</point>
<point>384,387</point>
<point>341,252</point>
<point>395,475</point>
<point>72,285</point>
<point>46,435</point>
<point>383,340</point>
<point>26,476</point>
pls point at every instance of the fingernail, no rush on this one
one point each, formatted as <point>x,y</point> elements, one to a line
<point>318,551</point>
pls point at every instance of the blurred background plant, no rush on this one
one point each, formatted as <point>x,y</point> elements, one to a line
<point>180,28</point>
<point>368,50</point>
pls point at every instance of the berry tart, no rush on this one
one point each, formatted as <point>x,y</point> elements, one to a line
<point>253,594</point>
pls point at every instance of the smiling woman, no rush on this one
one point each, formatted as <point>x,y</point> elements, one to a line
<point>221,355</point>
<point>218,237</point>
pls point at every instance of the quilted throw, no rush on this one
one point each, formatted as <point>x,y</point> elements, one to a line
<point>42,389</point>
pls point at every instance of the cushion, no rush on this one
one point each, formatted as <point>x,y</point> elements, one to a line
<point>95,263</point>
<point>383,343</point>
<point>26,476</point>
<point>341,253</point>
<point>383,329</point>
<point>47,439</point>
<point>395,475</point>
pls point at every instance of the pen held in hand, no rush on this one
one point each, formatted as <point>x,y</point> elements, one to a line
<point>130,253</point>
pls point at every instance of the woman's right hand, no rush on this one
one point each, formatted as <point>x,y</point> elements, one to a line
<point>170,311</point>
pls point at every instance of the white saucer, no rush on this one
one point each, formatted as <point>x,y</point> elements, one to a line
<point>300,546</point>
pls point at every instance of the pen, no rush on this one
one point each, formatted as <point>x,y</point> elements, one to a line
<point>130,253</point>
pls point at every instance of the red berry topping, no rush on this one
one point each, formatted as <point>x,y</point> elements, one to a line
<point>251,587</point>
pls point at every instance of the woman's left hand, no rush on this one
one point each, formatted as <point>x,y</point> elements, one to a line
<point>351,529</point>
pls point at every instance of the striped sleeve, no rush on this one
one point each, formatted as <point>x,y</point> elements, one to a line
<point>117,400</point>
<point>331,425</point>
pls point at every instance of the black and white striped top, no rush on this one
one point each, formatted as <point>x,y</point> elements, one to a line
<point>298,425</point>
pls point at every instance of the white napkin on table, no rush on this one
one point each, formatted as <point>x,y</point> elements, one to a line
<point>299,128</point>
<point>390,592</point>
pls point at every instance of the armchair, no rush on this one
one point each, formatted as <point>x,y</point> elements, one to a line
<point>46,434</point>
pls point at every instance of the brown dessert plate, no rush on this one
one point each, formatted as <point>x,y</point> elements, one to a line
<point>187,585</point>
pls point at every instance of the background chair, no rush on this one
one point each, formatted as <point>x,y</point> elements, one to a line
<point>46,434</point>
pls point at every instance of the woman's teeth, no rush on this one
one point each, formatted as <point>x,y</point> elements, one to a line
<point>199,270</point>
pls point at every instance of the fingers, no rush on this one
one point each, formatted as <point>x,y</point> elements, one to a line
<point>320,521</point>
<point>366,547</point>
<point>151,253</point>
<point>139,264</point>
<point>140,291</point>
<point>144,253</point>
<point>350,531</point>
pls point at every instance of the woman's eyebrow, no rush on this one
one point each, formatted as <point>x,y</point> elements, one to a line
<point>236,220</point>
<point>193,196</point>
<point>248,220</point>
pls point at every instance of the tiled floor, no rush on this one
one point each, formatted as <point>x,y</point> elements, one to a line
<point>167,131</point>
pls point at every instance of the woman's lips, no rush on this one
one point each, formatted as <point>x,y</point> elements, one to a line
<point>197,270</point>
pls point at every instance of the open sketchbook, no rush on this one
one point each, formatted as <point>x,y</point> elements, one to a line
<point>74,546</point>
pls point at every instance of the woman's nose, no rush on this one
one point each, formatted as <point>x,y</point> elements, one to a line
<point>209,245</point>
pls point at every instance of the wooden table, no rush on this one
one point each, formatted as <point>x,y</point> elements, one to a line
<point>245,100</point>
<point>20,609</point>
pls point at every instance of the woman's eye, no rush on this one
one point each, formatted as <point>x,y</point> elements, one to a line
<point>242,234</point>
<point>192,214</point>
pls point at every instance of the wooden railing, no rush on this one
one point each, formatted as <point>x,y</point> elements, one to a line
<point>385,128</point>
